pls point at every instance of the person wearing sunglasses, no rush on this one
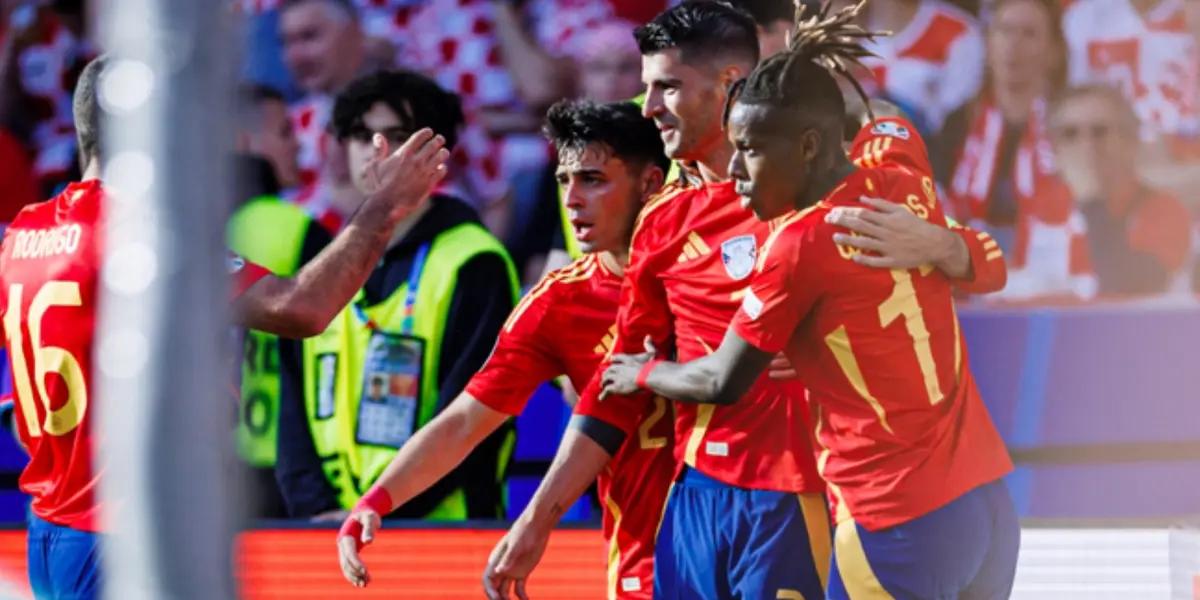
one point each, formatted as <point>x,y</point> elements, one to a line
<point>421,326</point>
<point>1137,237</point>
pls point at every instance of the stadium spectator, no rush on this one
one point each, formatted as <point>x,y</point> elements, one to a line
<point>41,54</point>
<point>610,67</point>
<point>508,62</point>
<point>1138,237</point>
<point>932,65</point>
<point>994,155</point>
<point>422,325</point>
<point>1145,48</point>
<point>266,131</point>
<point>324,49</point>
<point>1148,50</point>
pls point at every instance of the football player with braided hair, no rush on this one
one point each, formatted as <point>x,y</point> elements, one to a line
<point>912,460</point>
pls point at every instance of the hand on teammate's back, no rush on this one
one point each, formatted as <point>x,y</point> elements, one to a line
<point>404,178</point>
<point>895,237</point>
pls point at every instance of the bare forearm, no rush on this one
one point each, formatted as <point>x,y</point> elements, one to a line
<point>540,79</point>
<point>955,261</point>
<point>438,448</point>
<point>695,381</point>
<point>303,305</point>
<point>575,467</point>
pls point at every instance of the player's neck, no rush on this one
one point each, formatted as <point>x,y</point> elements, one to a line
<point>91,170</point>
<point>714,168</point>
<point>825,182</point>
<point>615,261</point>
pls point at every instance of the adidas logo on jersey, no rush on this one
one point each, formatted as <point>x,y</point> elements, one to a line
<point>693,248</point>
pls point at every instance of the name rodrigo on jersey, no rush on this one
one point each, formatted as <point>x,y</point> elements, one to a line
<point>43,243</point>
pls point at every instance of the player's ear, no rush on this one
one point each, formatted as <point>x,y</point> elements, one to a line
<point>651,181</point>
<point>730,75</point>
<point>810,145</point>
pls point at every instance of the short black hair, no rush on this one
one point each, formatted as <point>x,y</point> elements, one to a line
<point>347,7</point>
<point>824,44</point>
<point>86,109</point>
<point>701,29</point>
<point>418,100</point>
<point>250,98</point>
<point>767,12</point>
<point>573,124</point>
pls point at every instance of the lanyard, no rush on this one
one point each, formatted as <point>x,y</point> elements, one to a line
<point>410,296</point>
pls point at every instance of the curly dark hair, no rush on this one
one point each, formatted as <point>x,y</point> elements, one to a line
<point>418,100</point>
<point>573,124</point>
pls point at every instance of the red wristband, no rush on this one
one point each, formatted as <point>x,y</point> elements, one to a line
<point>352,529</point>
<point>645,373</point>
<point>377,499</point>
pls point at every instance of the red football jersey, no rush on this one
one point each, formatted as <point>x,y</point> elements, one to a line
<point>901,424</point>
<point>692,256</point>
<point>565,326</point>
<point>894,141</point>
<point>50,267</point>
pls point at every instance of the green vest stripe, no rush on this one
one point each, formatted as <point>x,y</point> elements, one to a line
<point>270,232</point>
<point>335,362</point>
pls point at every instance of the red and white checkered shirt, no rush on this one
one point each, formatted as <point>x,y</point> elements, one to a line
<point>933,66</point>
<point>1152,58</point>
<point>453,41</point>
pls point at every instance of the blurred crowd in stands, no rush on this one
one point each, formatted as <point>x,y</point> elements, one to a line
<point>1069,129</point>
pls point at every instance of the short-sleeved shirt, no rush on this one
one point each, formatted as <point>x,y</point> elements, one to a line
<point>565,326</point>
<point>49,274</point>
<point>900,422</point>
<point>692,256</point>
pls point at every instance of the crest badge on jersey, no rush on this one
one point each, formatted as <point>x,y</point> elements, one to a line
<point>892,129</point>
<point>739,254</point>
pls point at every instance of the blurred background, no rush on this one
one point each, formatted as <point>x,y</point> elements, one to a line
<point>1068,129</point>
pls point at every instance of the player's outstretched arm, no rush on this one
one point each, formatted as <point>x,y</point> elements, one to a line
<point>719,378</point>
<point>586,448</point>
<point>303,305</point>
<point>432,452</point>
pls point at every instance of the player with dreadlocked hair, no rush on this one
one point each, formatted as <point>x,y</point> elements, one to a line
<point>913,462</point>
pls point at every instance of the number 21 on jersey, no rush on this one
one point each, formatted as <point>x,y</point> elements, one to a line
<point>45,360</point>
